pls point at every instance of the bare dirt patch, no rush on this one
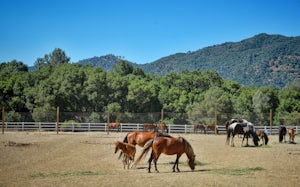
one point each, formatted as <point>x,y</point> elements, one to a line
<point>88,159</point>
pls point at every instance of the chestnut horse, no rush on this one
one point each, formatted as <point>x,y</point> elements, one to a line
<point>282,133</point>
<point>162,127</point>
<point>262,136</point>
<point>149,127</point>
<point>140,138</point>
<point>168,146</point>
<point>128,150</point>
<point>115,125</point>
<point>292,135</point>
<point>199,127</point>
<point>213,128</point>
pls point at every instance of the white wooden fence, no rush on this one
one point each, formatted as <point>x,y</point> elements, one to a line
<point>124,127</point>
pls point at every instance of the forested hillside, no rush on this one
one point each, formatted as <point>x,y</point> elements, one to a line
<point>86,94</point>
<point>263,60</point>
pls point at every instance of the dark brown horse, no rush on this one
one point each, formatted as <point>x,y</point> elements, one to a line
<point>262,136</point>
<point>149,127</point>
<point>282,132</point>
<point>162,127</point>
<point>168,146</point>
<point>291,135</point>
<point>200,128</point>
<point>128,151</point>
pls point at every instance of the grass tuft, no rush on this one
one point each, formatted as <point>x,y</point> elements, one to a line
<point>240,171</point>
<point>66,174</point>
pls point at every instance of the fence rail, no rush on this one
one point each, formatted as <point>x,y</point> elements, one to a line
<point>124,127</point>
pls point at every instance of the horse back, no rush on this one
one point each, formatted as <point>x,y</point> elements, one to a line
<point>168,146</point>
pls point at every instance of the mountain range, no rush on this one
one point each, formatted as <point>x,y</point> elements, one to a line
<point>262,60</point>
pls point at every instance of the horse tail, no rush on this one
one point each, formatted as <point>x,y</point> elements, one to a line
<point>146,149</point>
<point>266,138</point>
<point>126,138</point>
<point>228,135</point>
<point>280,135</point>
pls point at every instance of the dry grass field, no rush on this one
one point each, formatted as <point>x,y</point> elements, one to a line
<point>88,159</point>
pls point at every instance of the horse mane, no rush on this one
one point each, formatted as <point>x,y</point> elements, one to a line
<point>187,148</point>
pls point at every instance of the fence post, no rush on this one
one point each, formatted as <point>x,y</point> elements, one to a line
<point>57,119</point>
<point>107,121</point>
<point>3,119</point>
<point>271,121</point>
<point>216,121</point>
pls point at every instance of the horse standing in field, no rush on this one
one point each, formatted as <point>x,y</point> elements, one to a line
<point>149,127</point>
<point>140,138</point>
<point>262,136</point>
<point>291,135</point>
<point>128,151</point>
<point>162,127</point>
<point>213,128</point>
<point>168,146</point>
<point>282,132</point>
<point>246,129</point>
<point>115,125</point>
<point>200,128</point>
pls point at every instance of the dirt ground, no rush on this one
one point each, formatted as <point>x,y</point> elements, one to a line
<point>88,159</point>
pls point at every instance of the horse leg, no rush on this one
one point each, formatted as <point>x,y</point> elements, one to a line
<point>124,161</point>
<point>149,162</point>
<point>176,164</point>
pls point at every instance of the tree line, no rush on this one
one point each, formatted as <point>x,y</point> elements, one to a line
<point>190,96</point>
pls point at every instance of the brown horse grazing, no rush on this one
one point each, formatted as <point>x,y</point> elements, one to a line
<point>115,125</point>
<point>168,146</point>
<point>200,128</point>
<point>292,135</point>
<point>149,127</point>
<point>128,150</point>
<point>282,132</point>
<point>213,128</point>
<point>262,136</point>
<point>162,127</point>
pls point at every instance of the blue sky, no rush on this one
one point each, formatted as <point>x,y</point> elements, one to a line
<point>140,31</point>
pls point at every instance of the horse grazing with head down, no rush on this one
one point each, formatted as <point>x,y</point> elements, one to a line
<point>168,146</point>
<point>291,135</point>
<point>128,151</point>
<point>262,136</point>
<point>246,129</point>
<point>282,132</point>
